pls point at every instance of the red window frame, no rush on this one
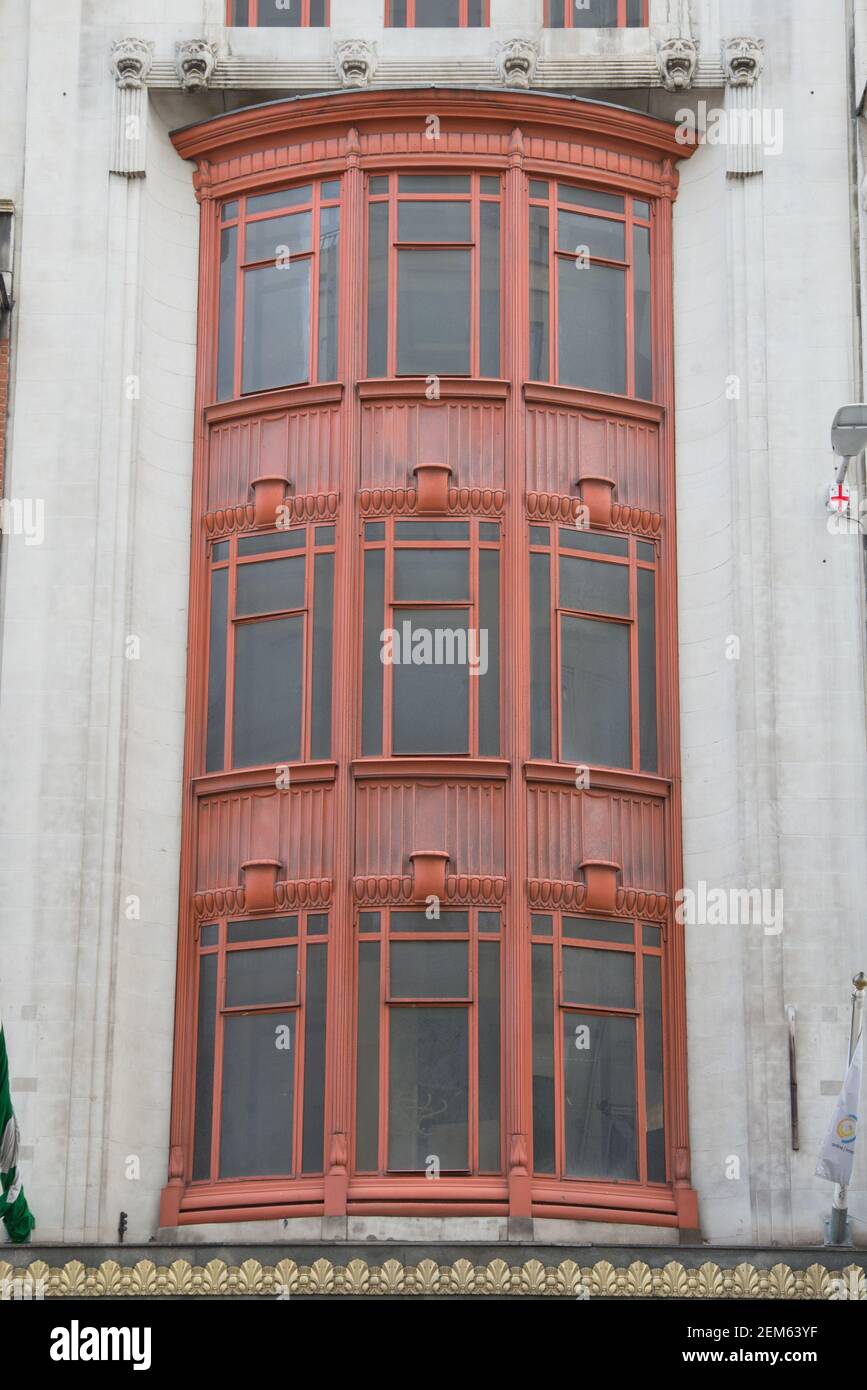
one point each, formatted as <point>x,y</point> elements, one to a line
<point>306,934</point>
<point>475,197</point>
<point>463,23</point>
<point>476,934</point>
<point>622,16</point>
<point>552,935</point>
<point>235,214</point>
<point>230,560</point>
<point>630,219</point>
<point>473,546</point>
<point>253,15</point>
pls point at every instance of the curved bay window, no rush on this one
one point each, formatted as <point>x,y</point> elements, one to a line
<point>597,14</point>
<point>429,961</point>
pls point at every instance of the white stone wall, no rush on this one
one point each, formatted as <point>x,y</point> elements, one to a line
<point>91,742</point>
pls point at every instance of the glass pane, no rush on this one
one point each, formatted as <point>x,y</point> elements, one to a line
<point>599,1097</point>
<point>489,1056</point>
<point>489,922</point>
<point>317,13</point>
<point>590,198</point>
<point>539,188</point>
<point>489,185</point>
<point>368,921</point>
<point>219,551</point>
<point>646,551</point>
<point>431,530</point>
<point>324,535</point>
<point>557,13</point>
<point>591,319</point>
<point>596,545</point>
<point>323,634</point>
<point>542,924</point>
<point>435,183</point>
<point>594,587</point>
<point>315,989</point>
<point>374,605</point>
<point>268,545</point>
<point>285,198</point>
<point>367,1060</point>
<point>604,979</point>
<point>489,289</point>
<point>377,289</point>
<point>489,531</point>
<point>647,669</point>
<point>278,237</point>
<point>594,14</point>
<point>540,294</point>
<point>543,1060</point>
<point>329,266</point>
<point>258,1095</point>
<point>397,13</point>
<point>420,922</point>
<point>277,326</point>
<point>433,222</point>
<point>374,530</point>
<point>270,586</point>
<point>540,535</point>
<point>650,936</point>
<point>643,326</point>
<point>540,654</point>
<point>331,187</point>
<point>488,649</point>
<point>640,209</point>
<point>586,929</point>
<point>209,936</point>
<point>228,292</point>
<point>432,13</point>
<point>653,1069</point>
<point>240,12</point>
<point>475,13</point>
<point>433,291</point>
<point>217,671</point>
<point>429,970</point>
<point>274,929</point>
<point>575,232</point>
<point>317,924</point>
<point>205,1043</point>
<point>269,976</point>
<point>431,696</point>
<point>280,13</point>
<point>428,1109</point>
<point>635,13</point>
<point>378,183</point>
<point>595,693</point>
<point>441,575</point>
<point>269,666</point>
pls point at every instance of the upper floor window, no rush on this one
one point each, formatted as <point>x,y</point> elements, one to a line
<point>596,14</point>
<point>434,275</point>
<point>279,270</point>
<point>436,14</point>
<point>279,14</point>
<point>431,660</point>
<point>593,662</point>
<point>270,648</point>
<point>590,289</point>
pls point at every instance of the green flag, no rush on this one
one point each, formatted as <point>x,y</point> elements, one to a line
<point>13,1206</point>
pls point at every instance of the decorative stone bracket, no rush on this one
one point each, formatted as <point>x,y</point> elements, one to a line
<point>600,876</point>
<point>433,486</point>
<point>597,495</point>
<point>269,493</point>
<point>746,119</point>
<point>428,874</point>
<point>260,883</point>
<point>131,61</point>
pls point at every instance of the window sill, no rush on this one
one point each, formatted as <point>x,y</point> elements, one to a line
<point>280,399</point>
<point>601,778</point>
<point>416,388</point>
<point>244,778</point>
<point>464,769</point>
<point>547,393</point>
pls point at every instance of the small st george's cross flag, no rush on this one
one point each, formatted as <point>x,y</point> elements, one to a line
<point>838,1150</point>
<point>13,1206</point>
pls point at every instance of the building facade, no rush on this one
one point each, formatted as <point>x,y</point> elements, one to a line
<point>431,679</point>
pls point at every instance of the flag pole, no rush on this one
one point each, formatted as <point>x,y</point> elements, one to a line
<point>839,1222</point>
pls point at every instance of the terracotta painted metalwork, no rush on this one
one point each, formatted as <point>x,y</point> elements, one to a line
<point>519,824</point>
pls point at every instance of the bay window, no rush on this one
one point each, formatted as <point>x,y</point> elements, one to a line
<point>279,14</point>
<point>278,291</point>
<point>260,1047</point>
<point>269,660</point>
<point>598,1067</point>
<point>596,14</point>
<point>590,289</point>
<point>593,641</point>
<point>431,638</point>
<point>428,1042</point>
<point>434,273</point>
<point>432,14</point>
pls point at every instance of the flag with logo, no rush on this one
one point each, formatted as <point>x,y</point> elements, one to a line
<point>14,1210</point>
<point>838,1150</point>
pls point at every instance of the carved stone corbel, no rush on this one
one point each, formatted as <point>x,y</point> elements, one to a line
<point>677,60</point>
<point>131,61</point>
<point>746,120</point>
<point>743,61</point>
<point>195,60</point>
<point>516,63</point>
<point>355,61</point>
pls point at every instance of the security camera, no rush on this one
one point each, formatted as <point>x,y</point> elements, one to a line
<point>849,431</point>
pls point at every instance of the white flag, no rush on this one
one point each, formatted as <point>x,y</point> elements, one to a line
<point>838,1150</point>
